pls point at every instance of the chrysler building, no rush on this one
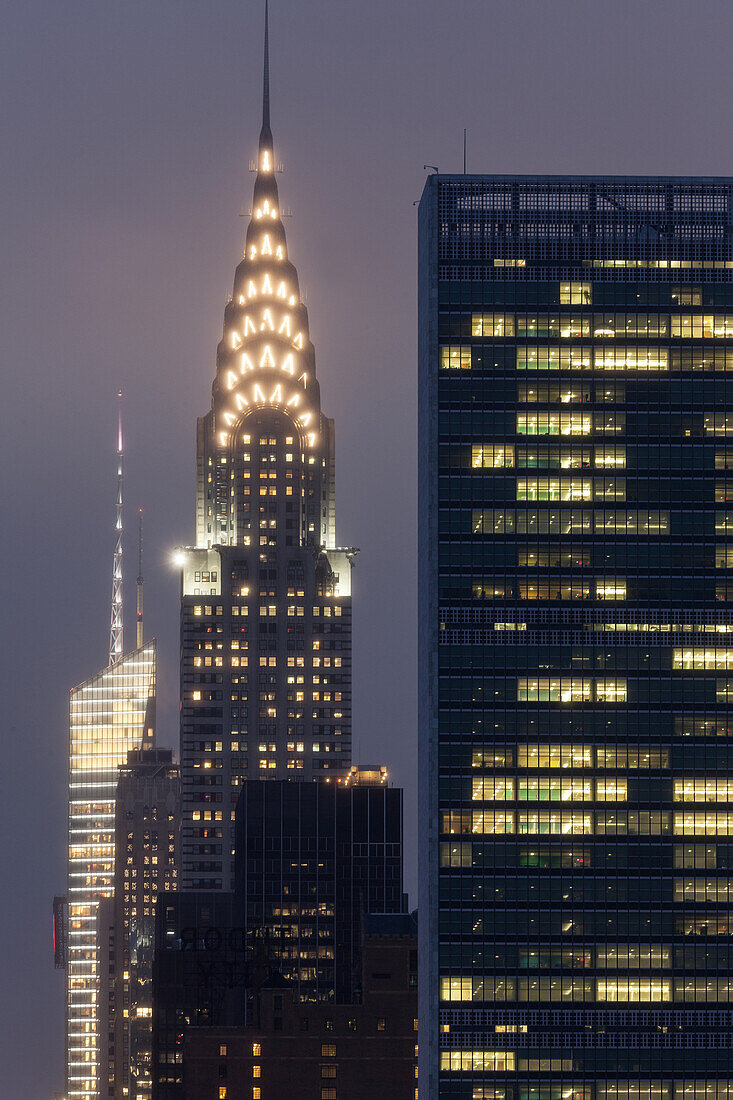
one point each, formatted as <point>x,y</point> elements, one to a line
<point>266,592</point>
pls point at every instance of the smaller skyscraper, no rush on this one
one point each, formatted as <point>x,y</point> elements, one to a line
<point>110,714</point>
<point>356,1051</point>
<point>147,829</point>
<point>200,976</point>
<point>312,858</point>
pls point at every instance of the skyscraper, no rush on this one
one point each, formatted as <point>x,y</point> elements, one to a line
<point>312,858</point>
<point>358,1050</point>
<point>576,778</point>
<point>201,971</point>
<point>148,843</point>
<point>266,604</point>
<point>109,714</point>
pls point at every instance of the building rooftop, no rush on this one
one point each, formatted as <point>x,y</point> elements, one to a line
<point>390,924</point>
<point>366,775</point>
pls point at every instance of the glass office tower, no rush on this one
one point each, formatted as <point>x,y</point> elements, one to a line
<point>576,426</point>
<point>109,714</point>
<point>312,859</point>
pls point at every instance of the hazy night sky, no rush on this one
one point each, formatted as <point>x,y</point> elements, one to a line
<point>127,130</point>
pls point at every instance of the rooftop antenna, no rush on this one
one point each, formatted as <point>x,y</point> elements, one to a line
<point>266,72</point>
<point>464,150</point>
<point>139,639</point>
<point>116,642</point>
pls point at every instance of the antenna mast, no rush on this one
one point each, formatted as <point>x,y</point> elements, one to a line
<point>139,638</point>
<point>116,642</point>
<point>266,72</point>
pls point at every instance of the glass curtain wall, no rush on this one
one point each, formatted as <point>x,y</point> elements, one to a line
<point>576,638</point>
<point>109,714</point>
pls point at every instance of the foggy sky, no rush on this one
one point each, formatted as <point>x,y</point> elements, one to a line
<point>126,130</point>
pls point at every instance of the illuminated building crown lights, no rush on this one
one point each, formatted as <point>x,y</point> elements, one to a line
<point>265,357</point>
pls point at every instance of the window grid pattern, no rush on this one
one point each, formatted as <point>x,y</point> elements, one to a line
<point>573,339</point>
<point>109,715</point>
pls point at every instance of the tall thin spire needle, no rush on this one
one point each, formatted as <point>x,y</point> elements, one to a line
<point>266,71</point>
<point>139,638</point>
<point>116,633</point>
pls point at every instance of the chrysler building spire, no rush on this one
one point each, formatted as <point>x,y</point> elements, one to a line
<point>265,361</point>
<point>265,155</point>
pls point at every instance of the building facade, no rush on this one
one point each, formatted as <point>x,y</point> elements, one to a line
<point>202,969</point>
<point>266,592</point>
<point>147,828</point>
<point>309,1051</point>
<point>107,961</point>
<point>109,715</point>
<point>312,858</point>
<point>576,777</point>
